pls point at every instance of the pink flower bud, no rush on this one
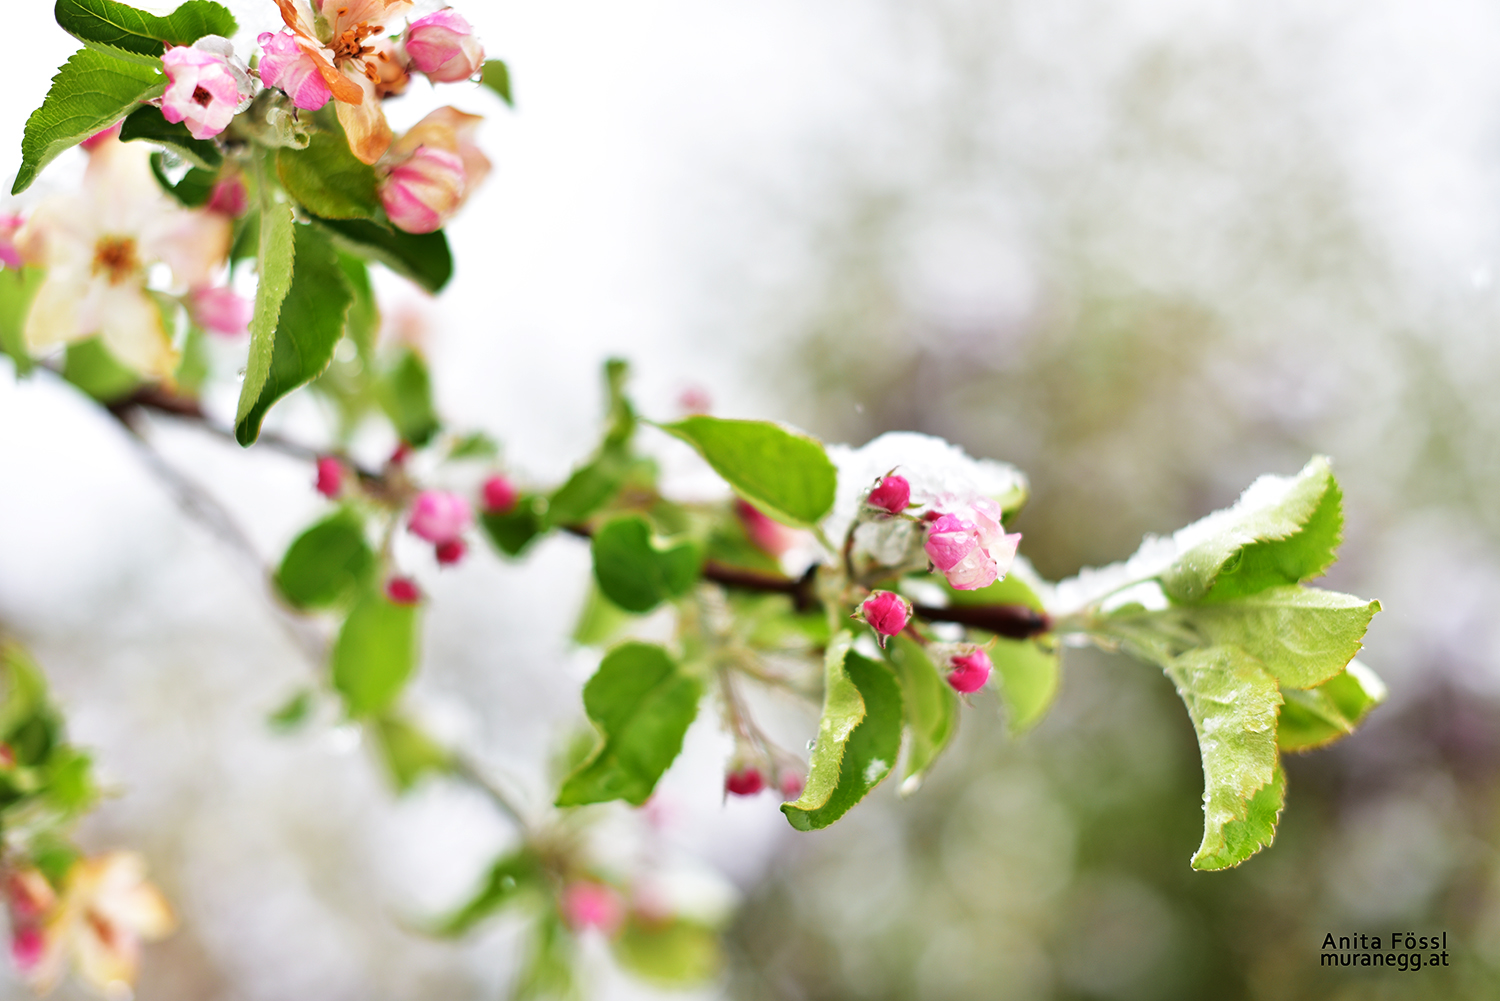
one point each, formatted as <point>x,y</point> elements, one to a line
<point>592,905</point>
<point>101,137</point>
<point>229,197</point>
<point>771,536</point>
<point>423,191</point>
<point>450,552</point>
<point>443,46</point>
<point>949,540</point>
<point>403,591</point>
<point>500,495</point>
<point>791,785</point>
<point>330,477</point>
<point>10,255</point>
<point>201,90</point>
<point>893,494</point>
<point>220,310</point>
<point>284,65</point>
<point>970,671</point>
<point>746,781</point>
<point>7,756</point>
<point>887,613</point>
<point>26,947</point>
<point>439,516</point>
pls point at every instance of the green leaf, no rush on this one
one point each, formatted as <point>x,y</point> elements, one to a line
<point>1009,590</point>
<point>671,952</point>
<point>1318,716</point>
<point>475,445</point>
<point>785,474</point>
<point>507,880</point>
<point>1302,635</point>
<point>89,366</point>
<point>327,179</point>
<point>843,708</point>
<point>591,486</point>
<point>1283,530</point>
<point>407,752</point>
<point>69,782</point>
<point>192,190</point>
<point>497,78</point>
<point>634,571</point>
<point>729,545</point>
<point>363,321</point>
<point>642,704</point>
<point>1243,838</point>
<point>375,653</point>
<point>24,690</point>
<point>146,123</point>
<point>422,257</point>
<point>196,365</point>
<point>17,289</point>
<point>90,92</point>
<point>1233,702</point>
<point>1029,673</point>
<point>867,753</point>
<point>105,22</point>
<point>516,529</point>
<point>405,394</point>
<point>309,324</point>
<point>246,243</point>
<point>327,564</point>
<point>547,970</point>
<point>601,621</point>
<point>931,707</point>
<point>621,412</point>
<point>275,260</point>
<point>292,713</point>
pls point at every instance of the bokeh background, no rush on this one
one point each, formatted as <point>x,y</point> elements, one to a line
<point>1144,249</point>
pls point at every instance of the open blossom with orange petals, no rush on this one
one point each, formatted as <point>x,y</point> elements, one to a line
<point>105,911</point>
<point>343,38</point>
<point>98,245</point>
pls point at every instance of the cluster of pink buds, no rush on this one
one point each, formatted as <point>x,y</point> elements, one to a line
<point>886,612</point>
<point>974,551</point>
<point>746,776</point>
<point>207,85</point>
<point>500,495</point>
<point>891,494</point>
<point>441,517</point>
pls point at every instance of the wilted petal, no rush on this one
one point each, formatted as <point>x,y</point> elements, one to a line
<point>53,318</point>
<point>131,327</point>
<point>364,123</point>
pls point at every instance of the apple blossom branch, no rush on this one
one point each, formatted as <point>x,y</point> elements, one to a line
<point>201,505</point>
